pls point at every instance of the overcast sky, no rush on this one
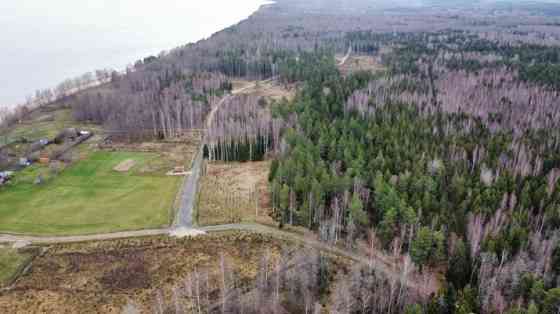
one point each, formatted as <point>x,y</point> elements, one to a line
<point>165,18</point>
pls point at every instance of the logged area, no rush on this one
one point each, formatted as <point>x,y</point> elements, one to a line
<point>90,197</point>
<point>234,192</point>
<point>142,274</point>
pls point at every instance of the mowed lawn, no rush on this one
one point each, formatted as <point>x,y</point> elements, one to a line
<point>90,197</point>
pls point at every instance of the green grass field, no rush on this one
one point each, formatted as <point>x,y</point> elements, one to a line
<point>89,197</point>
<point>10,263</point>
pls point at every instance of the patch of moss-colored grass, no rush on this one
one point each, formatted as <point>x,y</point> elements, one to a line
<point>10,263</point>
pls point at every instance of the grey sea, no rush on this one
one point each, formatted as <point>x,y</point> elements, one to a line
<point>43,43</point>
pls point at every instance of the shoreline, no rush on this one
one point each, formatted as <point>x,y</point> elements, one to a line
<point>32,102</point>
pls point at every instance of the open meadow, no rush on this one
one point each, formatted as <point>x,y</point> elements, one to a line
<point>94,195</point>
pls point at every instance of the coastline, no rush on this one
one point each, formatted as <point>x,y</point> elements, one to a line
<point>32,101</point>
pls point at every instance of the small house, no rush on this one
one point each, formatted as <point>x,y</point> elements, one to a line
<point>24,162</point>
<point>5,176</point>
<point>38,145</point>
<point>44,158</point>
<point>66,134</point>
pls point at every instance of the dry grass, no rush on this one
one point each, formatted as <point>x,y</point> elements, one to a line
<point>361,63</point>
<point>173,154</point>
<point>240,84</point>
<point>103,277</point>
<point>11,261</point>
<point>234,192</point>
<point>269,90</point>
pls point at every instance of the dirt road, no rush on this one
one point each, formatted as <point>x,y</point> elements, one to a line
<point>345,58</point>
<point>184,216</point>
<point>83,238</point>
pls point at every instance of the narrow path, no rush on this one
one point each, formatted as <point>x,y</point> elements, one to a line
<point>345,58</point>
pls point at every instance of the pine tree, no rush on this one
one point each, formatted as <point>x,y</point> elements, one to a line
<point>357,211</point>
<point>422,246</point>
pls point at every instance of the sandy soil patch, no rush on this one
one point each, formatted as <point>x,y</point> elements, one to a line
<point>271,90</point>
<point>125,165</point>
<point>240,84</point>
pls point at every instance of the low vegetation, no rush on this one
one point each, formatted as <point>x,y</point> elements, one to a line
<point>89,197</point>
<point>234,192</point>
<point>230,272</point>
<point>142,273</point>
<point>11,261</point>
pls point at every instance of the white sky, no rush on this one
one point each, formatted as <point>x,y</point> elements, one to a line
<point>160,20</point>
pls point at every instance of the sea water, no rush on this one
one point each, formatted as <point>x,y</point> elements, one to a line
<point>43,42</point>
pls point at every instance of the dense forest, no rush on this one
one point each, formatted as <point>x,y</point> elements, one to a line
<point>452,156</point>
<point>449,155</point>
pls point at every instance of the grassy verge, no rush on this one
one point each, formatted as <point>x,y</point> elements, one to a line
<point>90,197</point>
<point>11,262</point>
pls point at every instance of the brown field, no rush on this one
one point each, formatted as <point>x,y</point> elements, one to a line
<point>269,90</point>
<point>107,277</point>
<point>240,84</point>
<point>234,192</point>
<point>361,63</point>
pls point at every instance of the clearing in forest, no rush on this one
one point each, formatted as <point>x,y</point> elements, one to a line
<point>268,89</point>
<point>361,63</point>
<point>234,192</point>
<point>103,277</point>
<point>90,197</point>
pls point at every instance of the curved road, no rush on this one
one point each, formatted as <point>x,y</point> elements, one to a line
<point>345,58</point>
